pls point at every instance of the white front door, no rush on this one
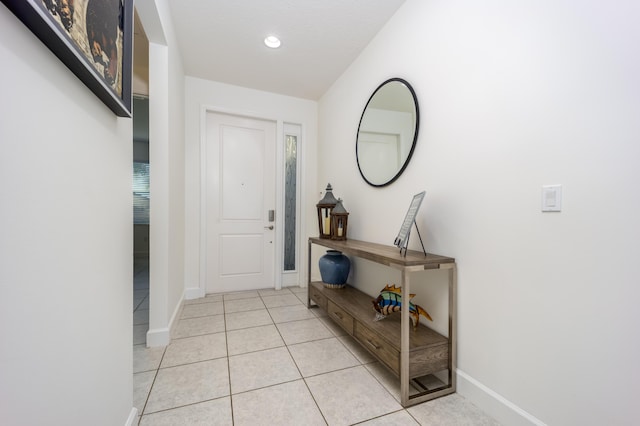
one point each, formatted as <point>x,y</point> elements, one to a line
<point>240,192</point>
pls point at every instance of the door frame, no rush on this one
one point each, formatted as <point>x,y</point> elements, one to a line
<point>293,129</point>
<point>279,217</point>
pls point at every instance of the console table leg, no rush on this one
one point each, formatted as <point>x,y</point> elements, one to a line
<point>453,344</point>
<point>404,339</point>
<point>309,276</point>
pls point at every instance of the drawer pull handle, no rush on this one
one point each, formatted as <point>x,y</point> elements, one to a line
<point>376,347</point>
<point>338,314</point>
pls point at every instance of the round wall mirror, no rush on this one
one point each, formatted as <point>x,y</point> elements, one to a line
<point>387,132</point>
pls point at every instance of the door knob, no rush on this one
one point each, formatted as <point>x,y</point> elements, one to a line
<point>268,227</point>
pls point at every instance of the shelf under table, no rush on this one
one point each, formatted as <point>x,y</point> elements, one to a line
<point>410,354</point>
<point>428,350</point>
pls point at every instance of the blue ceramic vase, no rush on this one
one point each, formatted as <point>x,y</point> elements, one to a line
<point>334,269</point>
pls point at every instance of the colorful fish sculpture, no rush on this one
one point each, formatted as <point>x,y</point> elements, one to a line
<point>390,300</point>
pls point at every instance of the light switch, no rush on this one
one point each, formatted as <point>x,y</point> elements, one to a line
<point>551,198</point>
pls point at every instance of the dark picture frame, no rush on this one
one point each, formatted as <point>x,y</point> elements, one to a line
<point>402,240</point>
<point>93,38</point>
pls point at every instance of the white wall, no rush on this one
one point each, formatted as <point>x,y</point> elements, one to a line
<point>515,95</point>
<point>176,174</point>
<point>65,243</point>
<point>166,158</point>
<point>253,103</point>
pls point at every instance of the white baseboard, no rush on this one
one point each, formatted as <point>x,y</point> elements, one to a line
<point>158,337</point>
<point>162,336</point>
<point>177,313</point>
<point>133,417</point>
<point>492,403</point>
<point>193,293</point>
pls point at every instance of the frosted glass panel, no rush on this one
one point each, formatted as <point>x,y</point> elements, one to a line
<point>290,177</point>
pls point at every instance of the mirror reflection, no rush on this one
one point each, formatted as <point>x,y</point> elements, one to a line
<point>387,132</point>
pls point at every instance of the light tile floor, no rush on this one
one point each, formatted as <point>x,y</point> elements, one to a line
<point>262,358</point>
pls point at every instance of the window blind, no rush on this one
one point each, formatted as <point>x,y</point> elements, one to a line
<point>141,193</point>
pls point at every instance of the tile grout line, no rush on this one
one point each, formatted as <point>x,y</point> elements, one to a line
<point>227,347</point>
<point>361,364</point>
<point>155,376</point>
<point>226,341</point>
<point>227,331</point>
<point>304,380</point>
<point>342,338</point>
<point>164,410</point>
<point>383,415</point>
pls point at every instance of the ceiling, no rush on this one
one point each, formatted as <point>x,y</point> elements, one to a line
<point>222,40</point>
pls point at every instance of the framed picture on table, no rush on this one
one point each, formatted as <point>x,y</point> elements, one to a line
<point>402,240</point>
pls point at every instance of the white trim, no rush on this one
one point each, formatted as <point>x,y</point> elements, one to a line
<point>159,286</point>
<point>278,256</point>
<point>292,278</point>
<point>302,157</point>
<point>494,404</point>
<point>133,417</point>
<point>193,293</point>
<point>203,199</point>
<point>162,336</point>
<point>158,337</point>
<point>200,291</point>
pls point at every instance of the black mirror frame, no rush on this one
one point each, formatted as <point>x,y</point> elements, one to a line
<point>415,133</point>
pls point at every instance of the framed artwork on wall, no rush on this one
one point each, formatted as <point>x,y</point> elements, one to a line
<point>93,38</point>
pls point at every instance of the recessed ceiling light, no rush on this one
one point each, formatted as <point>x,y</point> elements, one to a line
<point>272,42</point>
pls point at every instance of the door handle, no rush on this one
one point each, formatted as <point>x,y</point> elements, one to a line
<point>268,227</point>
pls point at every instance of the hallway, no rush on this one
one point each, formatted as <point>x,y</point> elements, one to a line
<point>261,358</point>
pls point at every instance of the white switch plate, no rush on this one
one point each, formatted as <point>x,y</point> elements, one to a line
<point>551,198</point>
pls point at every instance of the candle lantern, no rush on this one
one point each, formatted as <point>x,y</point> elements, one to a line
<point>325,206</point>
<point>339,218</point>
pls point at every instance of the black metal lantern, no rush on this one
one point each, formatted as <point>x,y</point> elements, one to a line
<point>339,219</point>
<point>325,206</point>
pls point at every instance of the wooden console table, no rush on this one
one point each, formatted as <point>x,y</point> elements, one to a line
<point>408,353</point>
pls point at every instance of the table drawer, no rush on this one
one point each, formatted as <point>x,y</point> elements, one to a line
<point>340,316</point>
<point>429,360</point>
<point>319,298</point>
<point>377,346</point>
